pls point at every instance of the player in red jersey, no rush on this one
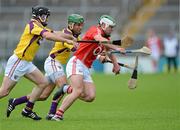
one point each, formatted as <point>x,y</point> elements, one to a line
<point>78,66</point>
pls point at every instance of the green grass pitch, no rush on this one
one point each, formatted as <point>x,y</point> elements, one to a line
<point>153,105</point>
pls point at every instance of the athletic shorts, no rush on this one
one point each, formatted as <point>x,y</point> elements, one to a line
<point>53,69</point>
<point>16,68</point>
<point>75,66</point>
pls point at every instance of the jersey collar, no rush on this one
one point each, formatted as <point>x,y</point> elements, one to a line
<point>37,22</point>
<point>70,32</point>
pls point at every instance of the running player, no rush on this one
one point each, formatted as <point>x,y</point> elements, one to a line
<point>78,66</point>
<point>20,63</point>
<point>53,67</point>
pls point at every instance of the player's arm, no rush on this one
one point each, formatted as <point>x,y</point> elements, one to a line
<point>116,67</point>
<point>98,37</point>
<point>68,36</point>
<point>105,56</point>
<point>59,37</point>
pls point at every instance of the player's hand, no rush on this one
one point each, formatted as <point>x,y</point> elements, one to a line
<point>72,45</point>
<point>74,39</point>
<point>102,58</point>
<point>116,69</point>
<point>72,42</point>
<point>122,50</point>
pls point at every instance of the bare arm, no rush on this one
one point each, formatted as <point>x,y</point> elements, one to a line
<point>60,37</point>
<point>116,67</point>
<point>67,36</point>
<point>107,45</point>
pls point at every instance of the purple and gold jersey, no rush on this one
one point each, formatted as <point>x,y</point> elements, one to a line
<point>30,40</point>
<point>61,50</point>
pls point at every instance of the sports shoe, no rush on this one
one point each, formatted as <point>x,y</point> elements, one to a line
<point>30,114</point>
<point>57,118</point>
<point>10,107</point>
<point>49,116</point>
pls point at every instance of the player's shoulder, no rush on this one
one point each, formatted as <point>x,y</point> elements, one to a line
<point>67,31</point>
<point>36,23</point>
<point>93,27</point>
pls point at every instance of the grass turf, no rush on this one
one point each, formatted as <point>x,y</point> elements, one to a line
<point>154,105</point>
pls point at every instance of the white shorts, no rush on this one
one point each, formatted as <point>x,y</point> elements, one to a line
<point>75,66</point>
<point>53,69</point>
<point>16,68</point>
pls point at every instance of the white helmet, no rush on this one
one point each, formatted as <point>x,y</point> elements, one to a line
<point>107,20</point>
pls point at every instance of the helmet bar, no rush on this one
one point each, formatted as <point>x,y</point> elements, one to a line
<point>107,21</point>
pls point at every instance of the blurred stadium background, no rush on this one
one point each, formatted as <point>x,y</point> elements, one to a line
<point>133,17</point>
<point>154,105</point>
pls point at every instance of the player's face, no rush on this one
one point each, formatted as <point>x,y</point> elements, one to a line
<point>108,30</point>
<point>44,19</point>
<point>77,28</point>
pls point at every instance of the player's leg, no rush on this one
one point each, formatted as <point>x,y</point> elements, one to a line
<point>13,102</point>
<point>39,79</point>
<point>55,74</point>
<point>169,63</point>
<point>62,88</point>
<point>89,92</point>
<point>77,82</point>
<point>15,69</point>
<point>7,86</point>
<point>75,71</point>
<point>174,60</point>
<point>11,76</point>
<point>46,92</point>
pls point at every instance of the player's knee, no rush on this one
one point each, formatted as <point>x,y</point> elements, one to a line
<point>4,93</point>
<point>78,91</point>
<point>91,98</point>
<point>43,84</point>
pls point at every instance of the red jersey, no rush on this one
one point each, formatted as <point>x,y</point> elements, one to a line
<point>87,52</point>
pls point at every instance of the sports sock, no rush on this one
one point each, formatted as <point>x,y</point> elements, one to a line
<point>60,112</point>
<point>53,108</point>
<point>29,106</point>
<point>20,100</point>
<point>67,89</point>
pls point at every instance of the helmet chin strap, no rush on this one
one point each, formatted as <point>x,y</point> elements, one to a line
<point>43,22</point>
<point>71,26</point>
<point>104,26</point>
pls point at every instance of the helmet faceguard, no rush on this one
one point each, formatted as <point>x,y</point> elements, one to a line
<point>107,20</point>
<point>41,13</point>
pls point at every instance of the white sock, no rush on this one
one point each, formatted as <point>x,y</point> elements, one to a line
<point>65,88</point>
